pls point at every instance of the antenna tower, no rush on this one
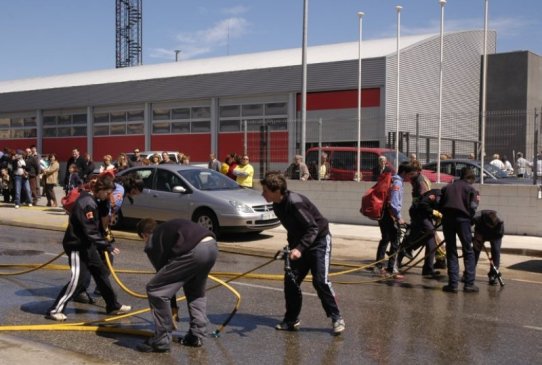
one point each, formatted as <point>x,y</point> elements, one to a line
<point>129,33</point>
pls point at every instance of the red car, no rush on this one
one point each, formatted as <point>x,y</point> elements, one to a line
<point>343,165</point>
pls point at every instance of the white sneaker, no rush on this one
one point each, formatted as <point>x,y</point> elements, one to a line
<point>16,207</point>
<point>29,204</point>
<point>122,310</point>
<point>56,316</point>
<point>338,326</point>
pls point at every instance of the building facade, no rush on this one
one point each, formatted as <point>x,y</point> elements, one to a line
<point>249,102</point>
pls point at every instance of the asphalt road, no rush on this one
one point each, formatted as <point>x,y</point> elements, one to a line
<point>411,321</point>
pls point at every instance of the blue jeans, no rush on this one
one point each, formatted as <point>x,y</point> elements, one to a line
<point>452,225</point>
<point>22,183</point>
<point>495,252</point>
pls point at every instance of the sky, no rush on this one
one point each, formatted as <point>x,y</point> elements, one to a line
<point>51,37</point>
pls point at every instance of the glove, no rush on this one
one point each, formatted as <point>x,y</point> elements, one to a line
<point>108,235</point>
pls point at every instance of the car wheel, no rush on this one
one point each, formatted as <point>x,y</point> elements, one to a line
<point>206,218</point>
<point>117,220</point>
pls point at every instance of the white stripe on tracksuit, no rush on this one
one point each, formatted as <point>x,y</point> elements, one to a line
<point>75,269</point>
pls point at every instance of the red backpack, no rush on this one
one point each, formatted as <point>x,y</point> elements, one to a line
<point>375,199</point>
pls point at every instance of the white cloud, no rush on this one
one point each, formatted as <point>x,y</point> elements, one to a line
<point>205,41</point>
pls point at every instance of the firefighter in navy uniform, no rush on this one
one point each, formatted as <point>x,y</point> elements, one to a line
<point>488,227</point>
<point>423,215</point>
<point>82,240</point>
<point>309,242</point>
<point>458,203</point>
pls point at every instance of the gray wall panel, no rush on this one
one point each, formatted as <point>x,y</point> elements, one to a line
<point>328,76</point>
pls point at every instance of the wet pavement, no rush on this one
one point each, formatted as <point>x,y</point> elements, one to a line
<point>388,322</point>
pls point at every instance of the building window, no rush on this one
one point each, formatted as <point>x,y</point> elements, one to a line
<point>253,110</point>
<point>161,128</point>
<point>276,108</point>
<point>180,127</point>
<point>228,111</point>
<point>101,130</point>
<point>180,113</point>
<point>201,127</point>
<point>136,116</point>
<point>101,118</point>
<point>160,114</point>
<point>117,129</point>
<point>135,128</point>
<point>230,125</point>
<point>201,112</point>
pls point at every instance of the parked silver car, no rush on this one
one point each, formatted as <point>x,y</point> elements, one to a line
<point>204,196</point>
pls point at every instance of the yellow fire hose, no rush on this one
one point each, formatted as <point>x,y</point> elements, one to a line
<point>101,325</point>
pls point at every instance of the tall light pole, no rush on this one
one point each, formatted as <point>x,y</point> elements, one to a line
<point>360,22</point>
<point>484,96</point>
<point>177,52</point>
<point>304,87</point>
<point>442,3</point>
<point>398,8</point>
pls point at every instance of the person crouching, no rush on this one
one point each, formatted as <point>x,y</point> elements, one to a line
<point>183,253</point>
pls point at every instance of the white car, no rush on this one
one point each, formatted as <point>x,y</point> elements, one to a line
<point>199,194</point>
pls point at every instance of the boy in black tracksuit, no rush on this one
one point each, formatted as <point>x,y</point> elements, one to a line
<point>81,241</point>
<point>309,242</point>
<point>183,253</point>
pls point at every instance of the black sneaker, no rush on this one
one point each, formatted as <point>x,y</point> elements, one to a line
<point>471,289</point>
<point>288,326</point>
<point>150,347</point>
<point>191,340</point>
<point>449,289</point>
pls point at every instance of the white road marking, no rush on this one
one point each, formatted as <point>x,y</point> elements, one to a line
<point>533,328</point>
<point>527,281</point>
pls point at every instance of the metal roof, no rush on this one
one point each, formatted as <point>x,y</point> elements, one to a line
<point>252,61</point>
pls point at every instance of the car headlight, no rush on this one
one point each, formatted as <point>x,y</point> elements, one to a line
<point>241,207</point>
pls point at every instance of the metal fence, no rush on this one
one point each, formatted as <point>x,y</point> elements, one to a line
<point>273,144</point>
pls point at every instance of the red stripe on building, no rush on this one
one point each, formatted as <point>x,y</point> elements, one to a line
<point>197,146</point>
<point>345,99</point>
<point>114,145</point>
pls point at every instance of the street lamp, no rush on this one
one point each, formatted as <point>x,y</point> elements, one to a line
<point>484,93</point>
<point>360,22</point>
<point>398,9</point>
<point>304,87</point>
<point>442,3</point>
<point>177,52</point>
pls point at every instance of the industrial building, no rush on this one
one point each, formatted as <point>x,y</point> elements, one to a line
<point>203,105</point>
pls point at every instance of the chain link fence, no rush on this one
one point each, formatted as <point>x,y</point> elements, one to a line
<point>272,145</point>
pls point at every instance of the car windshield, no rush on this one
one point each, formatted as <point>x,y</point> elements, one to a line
<point>209,180</point>
<point>495,171</point>
<point>390,156</point>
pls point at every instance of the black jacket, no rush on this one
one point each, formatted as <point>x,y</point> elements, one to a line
<point>302,220</point>
<point>84,226</point>
<point>172,239</point>
<point>459,199</point>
